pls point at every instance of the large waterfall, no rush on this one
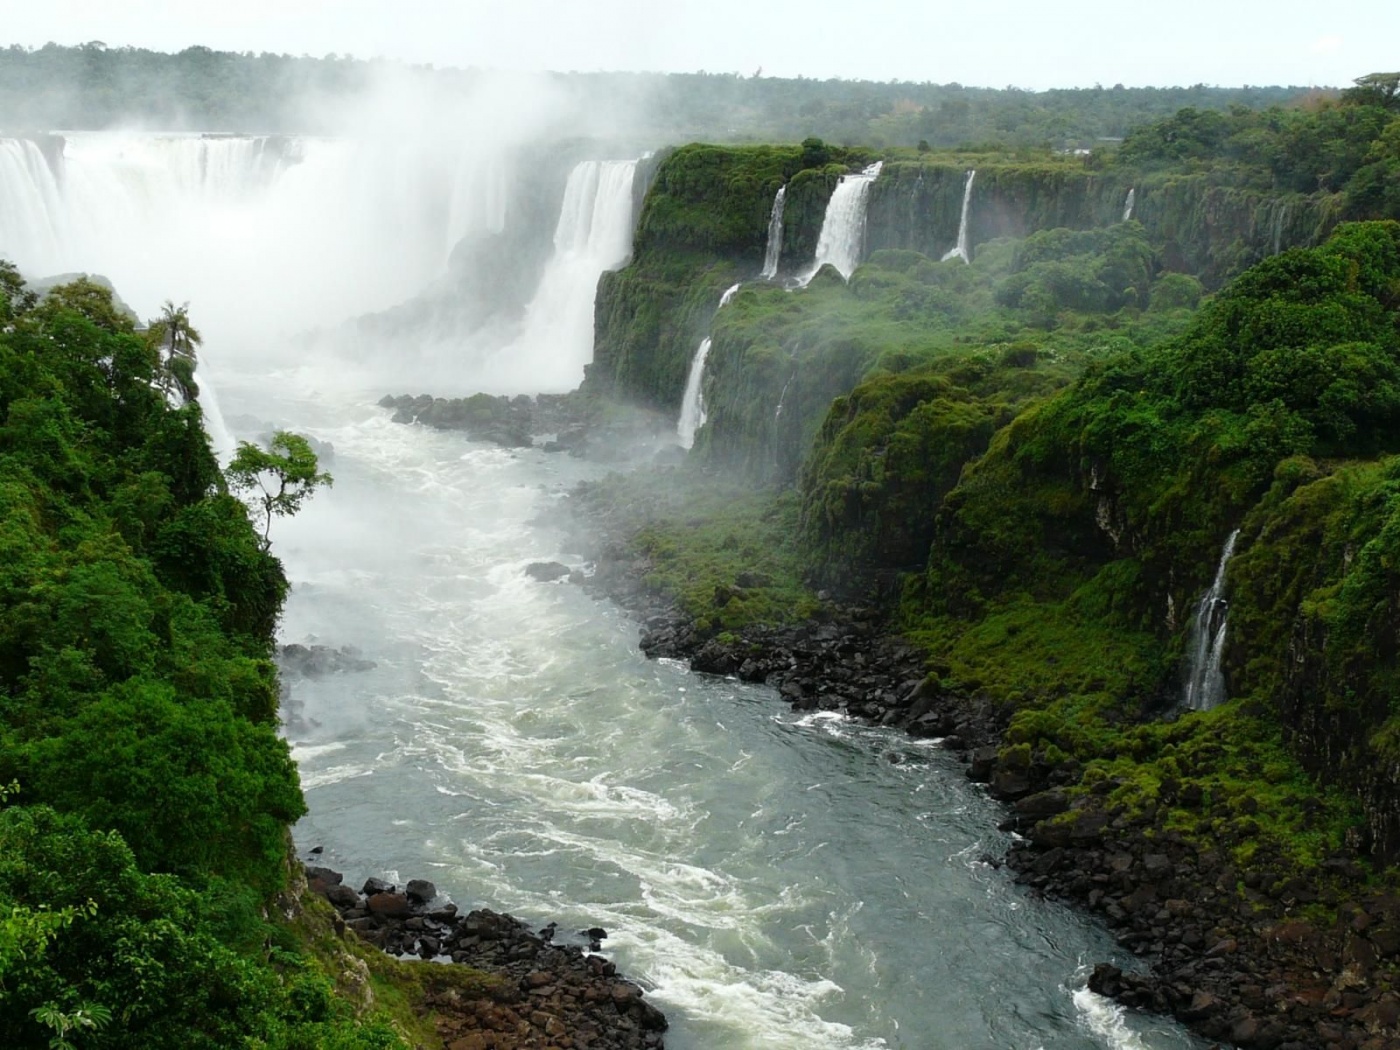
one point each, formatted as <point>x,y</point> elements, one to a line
<point>842,240</point>
<point>961,249</point>
<point>324,229</point>
<point>693,401</point>
<point>774,252</point>
<point>593,235</point>
<point>1205,681</point>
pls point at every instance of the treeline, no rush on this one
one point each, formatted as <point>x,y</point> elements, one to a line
<point>92,86</point>
<point>145,794</point>
<point>1349,146</point>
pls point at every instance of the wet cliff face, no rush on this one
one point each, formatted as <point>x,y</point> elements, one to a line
<point>703,226</point>
<point>1200,224</point>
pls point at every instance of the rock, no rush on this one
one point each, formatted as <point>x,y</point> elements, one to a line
<point>342,897</point>
<point>546,571</point>
<point>373,886</point>
<point>326,875</point>
<point>389,905</point>
<point>420,891</point>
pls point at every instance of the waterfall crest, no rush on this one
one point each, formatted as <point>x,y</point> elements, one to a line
<point>961,250</point>
<point>774,252</point>
<point>842,240</point>
<point>1205,681</point>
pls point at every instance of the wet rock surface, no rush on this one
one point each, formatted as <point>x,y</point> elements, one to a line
<point>1250,957</point>
<point>564,423</point>
<point>550,991</point>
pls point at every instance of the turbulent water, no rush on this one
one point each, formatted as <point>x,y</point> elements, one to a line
<point>777,881</point>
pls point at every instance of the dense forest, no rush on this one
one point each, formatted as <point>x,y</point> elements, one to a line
<point>95,86</point>
<point>146,793</point>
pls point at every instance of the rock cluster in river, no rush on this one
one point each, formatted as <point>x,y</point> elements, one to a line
<point>1231,956</point>
<point>552,422</point>
<point>548,996</point>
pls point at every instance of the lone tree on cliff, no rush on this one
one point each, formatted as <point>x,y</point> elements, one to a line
<point>176,339</point>
<point>281,477</point>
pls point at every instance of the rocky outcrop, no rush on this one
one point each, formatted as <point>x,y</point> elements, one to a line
<point>548,989</point>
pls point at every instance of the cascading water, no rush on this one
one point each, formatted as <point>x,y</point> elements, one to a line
<point>961,250</point>
<point>1205,681</point>
<point>180,216</point>
<point>693,401</point>
<point>594,235</point>
<point>773,254</point>
<point>842,239</point>
<point>1128,204</point>
<point>1280,219</point>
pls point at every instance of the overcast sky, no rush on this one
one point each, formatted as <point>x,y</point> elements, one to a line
<point>992,43</point>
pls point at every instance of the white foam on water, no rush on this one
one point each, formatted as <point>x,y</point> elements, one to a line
<point>1107,1021</point>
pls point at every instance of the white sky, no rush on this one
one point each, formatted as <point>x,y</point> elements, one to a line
<point>992,43</point>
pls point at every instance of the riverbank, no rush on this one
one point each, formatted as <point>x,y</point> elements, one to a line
<point>1263,953</point>
<point>510,987</point>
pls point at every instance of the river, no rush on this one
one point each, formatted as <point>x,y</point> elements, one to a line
<point>774,879</point>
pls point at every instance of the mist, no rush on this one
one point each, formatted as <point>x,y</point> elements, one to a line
<point>402,246</point>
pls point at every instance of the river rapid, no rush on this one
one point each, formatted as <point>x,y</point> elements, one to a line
<point>774,879</point>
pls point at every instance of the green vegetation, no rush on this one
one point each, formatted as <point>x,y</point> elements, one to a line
<point>1032,462</point>
<point>144,830</point>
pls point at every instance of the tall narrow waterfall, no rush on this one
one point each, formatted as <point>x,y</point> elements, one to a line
<point>961,251</point>
<point>693,401</point>
<point>842,240</point>
<point>1128,204</point>
<point>1205,682</point>
<point>693,404</point>
<point>594,235</point>
<point>774,252</point>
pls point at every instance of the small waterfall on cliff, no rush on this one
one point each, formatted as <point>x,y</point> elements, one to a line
<point>1280,219</point>
<point>693,401</point>
<point>961,251</point>
<point>842,240</point>
<point>1205,682</point>
<point>693,404</point>
<point>1128,204</point>
<point>782,397</point>
<point>774,251</point>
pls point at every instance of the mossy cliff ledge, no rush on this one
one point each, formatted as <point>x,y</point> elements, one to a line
<point>703,227</point>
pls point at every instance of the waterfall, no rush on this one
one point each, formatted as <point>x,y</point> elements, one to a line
<point>842,240</point>
<point>774,251</point>
<point>1205,682</point>
<point>782,397</point>
<point>1128,204</point>
<point>1280,217</point>
<point>693,404</point>
<point>961,250</point>
<point>693,401</point>
<point>325,229</point>
<point>593,236</point>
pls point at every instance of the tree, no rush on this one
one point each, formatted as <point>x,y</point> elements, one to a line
<point>285,474</point>
<point>177,340</point>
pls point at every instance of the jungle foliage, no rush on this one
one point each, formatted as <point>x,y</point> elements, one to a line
<point>144,827</point>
